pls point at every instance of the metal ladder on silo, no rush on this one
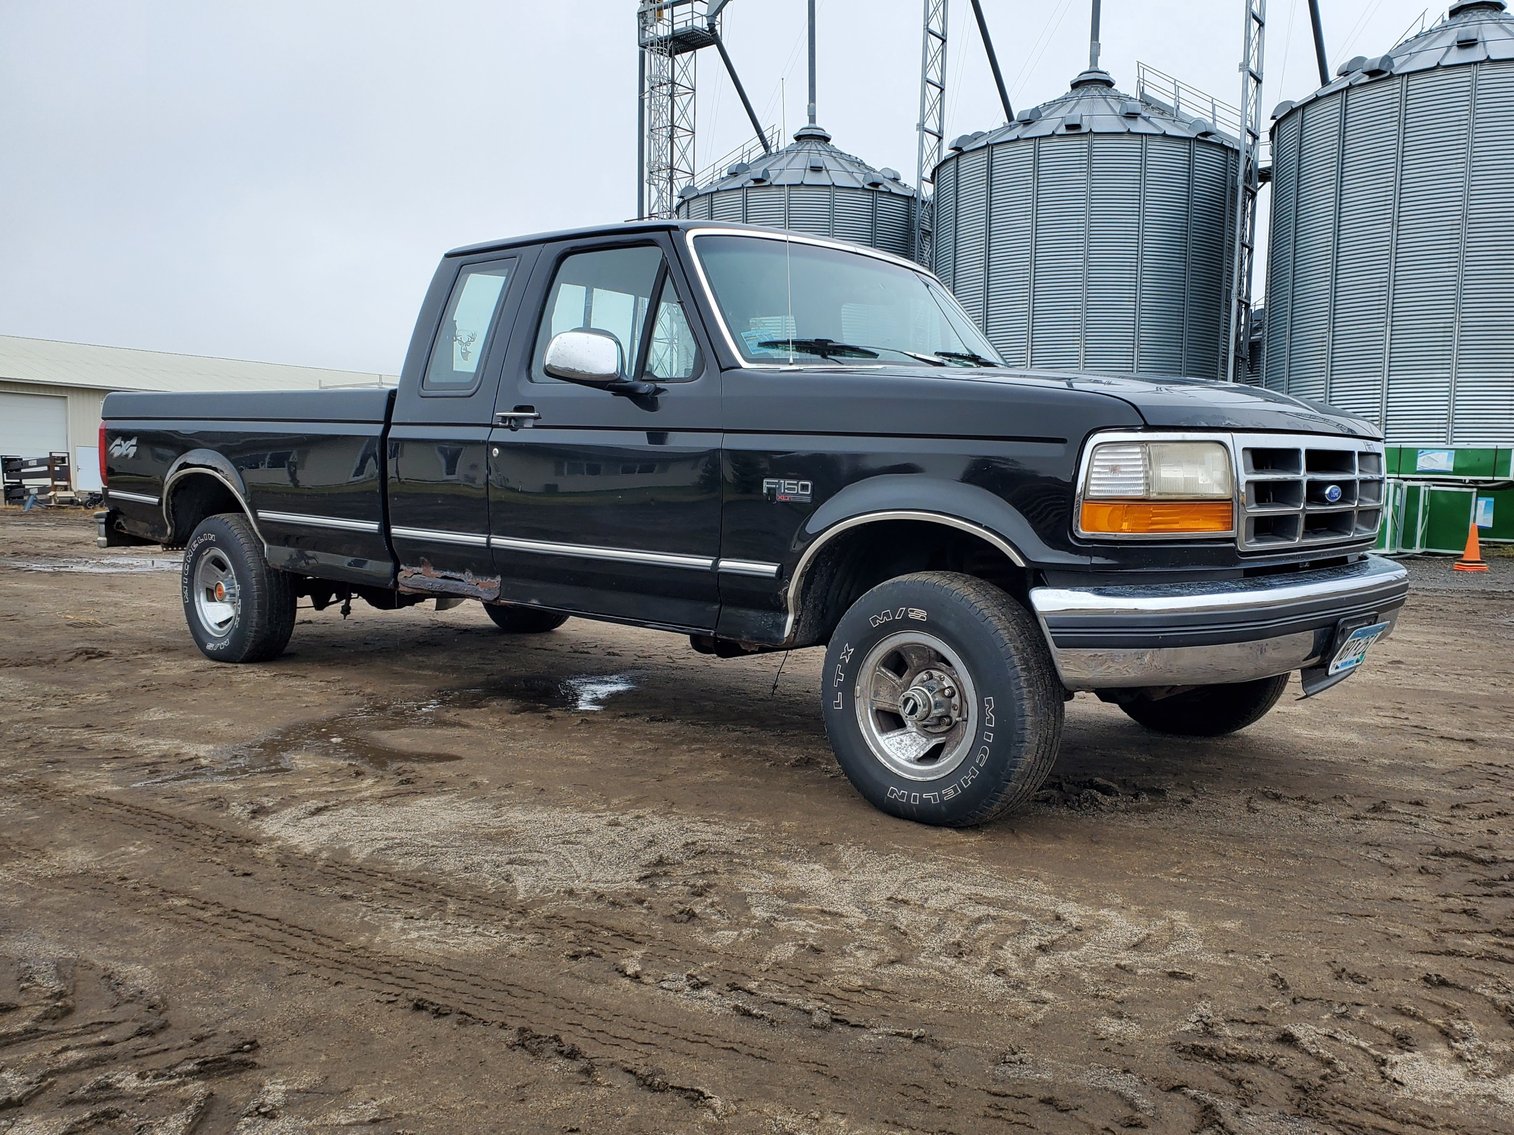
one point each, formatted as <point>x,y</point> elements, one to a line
<point>1247,184</point>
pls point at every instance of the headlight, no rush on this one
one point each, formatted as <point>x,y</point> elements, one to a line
<point>1157,488</point>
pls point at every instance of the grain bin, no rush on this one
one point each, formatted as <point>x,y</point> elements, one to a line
<point>811,187</point>
<point>1093,233</point>
<point>1390,278</point>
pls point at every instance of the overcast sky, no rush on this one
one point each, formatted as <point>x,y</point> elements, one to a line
<point>276,180</point>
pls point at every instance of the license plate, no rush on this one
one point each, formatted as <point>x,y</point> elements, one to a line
<point>1354,650</point>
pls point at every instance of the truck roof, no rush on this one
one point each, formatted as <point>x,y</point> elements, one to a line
<point>622,228</point>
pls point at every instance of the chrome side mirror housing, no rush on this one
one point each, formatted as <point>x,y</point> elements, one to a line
<point>587,356</point>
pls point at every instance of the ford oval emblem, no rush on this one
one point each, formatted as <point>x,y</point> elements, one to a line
<point>1333,493</point>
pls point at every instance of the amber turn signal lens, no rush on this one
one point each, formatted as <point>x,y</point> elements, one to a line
<point>1157,518</point>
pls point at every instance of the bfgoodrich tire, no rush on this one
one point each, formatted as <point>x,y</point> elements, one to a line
<point>524,620</point>
<point>238,608</point>
<point>1208,711</point>
<point>940,699</point>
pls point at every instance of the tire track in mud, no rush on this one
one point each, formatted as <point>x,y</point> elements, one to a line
<point>797,991</point>
<point>656,1042</point>
<point>761,1030</point>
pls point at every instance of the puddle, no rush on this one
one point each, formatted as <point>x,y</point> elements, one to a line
<point>587,693</point>
<point>115,565</point>
<point>399,733</point>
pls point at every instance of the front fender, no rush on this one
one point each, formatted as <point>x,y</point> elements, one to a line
<point>954,503</point>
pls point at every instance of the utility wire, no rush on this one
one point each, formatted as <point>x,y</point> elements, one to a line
<point>1282,75</point>
<point>1361,26</point>
<point>1043,41</point>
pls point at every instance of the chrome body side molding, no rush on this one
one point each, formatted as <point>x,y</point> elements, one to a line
<point>310,520</point>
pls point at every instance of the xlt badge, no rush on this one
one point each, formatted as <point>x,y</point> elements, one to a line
<point>778,489</point>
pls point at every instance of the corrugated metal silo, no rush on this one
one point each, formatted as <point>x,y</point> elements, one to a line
<point>1390,276</point>
<point>1093,233</point>
<point>811,187</point>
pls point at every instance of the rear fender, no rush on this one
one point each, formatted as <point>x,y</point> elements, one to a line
<point>206,462</point>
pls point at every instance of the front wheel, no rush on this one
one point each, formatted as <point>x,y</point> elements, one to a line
<point>940,699</point>
<point>238,608</point>
<point>1208,711</point>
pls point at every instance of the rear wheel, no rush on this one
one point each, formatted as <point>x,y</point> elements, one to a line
<point>940,699</point>
<point>238,608</point>
<point>1208,711</point>
<point>524,620</point>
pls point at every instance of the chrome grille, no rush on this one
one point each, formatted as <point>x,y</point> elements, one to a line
<point>1308,491</point>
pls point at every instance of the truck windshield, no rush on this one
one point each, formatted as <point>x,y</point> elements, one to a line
<point>791,302</point>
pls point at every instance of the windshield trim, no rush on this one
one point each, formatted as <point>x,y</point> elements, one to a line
<point>742,361</point>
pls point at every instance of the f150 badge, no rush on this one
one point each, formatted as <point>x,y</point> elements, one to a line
<point>779,490</point>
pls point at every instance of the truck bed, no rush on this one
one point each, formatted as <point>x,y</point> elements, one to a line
<point>309,463</point>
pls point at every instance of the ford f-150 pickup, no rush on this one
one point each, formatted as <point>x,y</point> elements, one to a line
<point>765,441</point>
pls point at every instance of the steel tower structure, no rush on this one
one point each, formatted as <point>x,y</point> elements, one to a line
<point>1247,184</point>
<point>932,116</point>
<point>669,34</point>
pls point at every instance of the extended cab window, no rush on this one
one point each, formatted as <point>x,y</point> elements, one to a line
<point>614,289</point>
<point>464,335</point>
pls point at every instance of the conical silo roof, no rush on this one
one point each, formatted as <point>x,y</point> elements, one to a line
<point>1476,31</point>
<point>1093,106</point>
<point>812,187</point>
<point>809,159</point>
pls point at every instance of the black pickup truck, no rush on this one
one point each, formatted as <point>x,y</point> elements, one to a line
<point>765,441</point>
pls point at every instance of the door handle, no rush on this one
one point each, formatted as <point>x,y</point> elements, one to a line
<point>517,418</point>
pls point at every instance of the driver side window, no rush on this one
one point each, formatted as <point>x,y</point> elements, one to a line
<point>612,290</point>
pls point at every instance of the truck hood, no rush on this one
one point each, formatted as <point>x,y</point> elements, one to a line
<point>1192,403</point>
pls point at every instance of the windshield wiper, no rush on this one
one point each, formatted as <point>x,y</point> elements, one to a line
<point>830,349</point>
<point>967,357</point>
<point>825,348</point>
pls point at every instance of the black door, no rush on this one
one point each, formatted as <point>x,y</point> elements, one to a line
<point>602,503</point>
<point>439,441</point>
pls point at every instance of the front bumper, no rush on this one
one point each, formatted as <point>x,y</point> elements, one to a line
<point>1198,634</point>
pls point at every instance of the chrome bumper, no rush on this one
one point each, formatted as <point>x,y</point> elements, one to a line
<point>1194,634</point>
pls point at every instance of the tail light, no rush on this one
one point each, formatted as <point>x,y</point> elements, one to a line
<point>100,449</point>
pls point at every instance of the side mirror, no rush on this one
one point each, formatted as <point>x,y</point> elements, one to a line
<point>591,357</point>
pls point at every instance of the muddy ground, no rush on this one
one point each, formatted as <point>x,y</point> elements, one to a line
<point>416,876</point>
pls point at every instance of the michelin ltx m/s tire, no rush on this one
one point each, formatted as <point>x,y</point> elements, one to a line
<point>238,608</point>
<point>940,699</point>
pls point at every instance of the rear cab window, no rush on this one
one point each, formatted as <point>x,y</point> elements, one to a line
<point>463,336</point>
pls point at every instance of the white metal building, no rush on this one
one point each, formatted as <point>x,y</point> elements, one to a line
<point>50,392</point>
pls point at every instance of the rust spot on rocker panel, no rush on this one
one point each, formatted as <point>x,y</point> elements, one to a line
<point>427,580</point>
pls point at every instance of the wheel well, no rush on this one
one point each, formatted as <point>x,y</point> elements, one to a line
<point>194,497</point>
<point>854,562</point>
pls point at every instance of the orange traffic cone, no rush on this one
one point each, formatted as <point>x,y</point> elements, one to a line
<point>1471,559</point>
